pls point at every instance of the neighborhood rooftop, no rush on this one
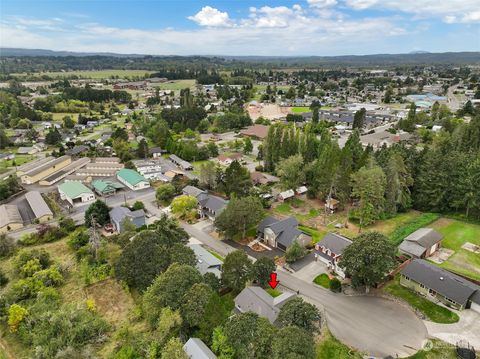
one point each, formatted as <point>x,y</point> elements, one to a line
<point>442,281</point>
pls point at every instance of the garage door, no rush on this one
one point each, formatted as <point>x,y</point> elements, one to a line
<point>475,307</point>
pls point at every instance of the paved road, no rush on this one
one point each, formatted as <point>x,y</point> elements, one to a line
<point>375,325</point>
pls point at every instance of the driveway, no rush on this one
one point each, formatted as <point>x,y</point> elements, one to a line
<point>309,271</point>
<point>376,326</point>
<point>468,326</point>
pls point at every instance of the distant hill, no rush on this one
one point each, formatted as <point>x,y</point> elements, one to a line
<point>39,60</point>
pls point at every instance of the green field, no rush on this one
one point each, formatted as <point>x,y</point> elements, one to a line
<point>19,160</point>
<point>101,74</point>
<point>431,310</point>
<point>456,233</point>
<point>176,85</point>
<point>300,109</point>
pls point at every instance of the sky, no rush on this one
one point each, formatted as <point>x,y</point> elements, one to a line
<point>242,27</point>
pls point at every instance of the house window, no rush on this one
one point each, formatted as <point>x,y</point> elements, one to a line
<point>421,285</point>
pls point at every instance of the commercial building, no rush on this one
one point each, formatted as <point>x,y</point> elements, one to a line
<point>40,172</point>
<point>132,179</point>
<point>10,218</point>
<point>64,172</point>
<point>76,193</point>
<point>39,207</point>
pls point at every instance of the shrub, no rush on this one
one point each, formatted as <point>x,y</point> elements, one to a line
<point>26,255</point>
<point>7,246</point>
<point>335,285</point>
<point>401,232</point>
<point>295,252</point>
<point>3,279</point>
<point>16,313</point>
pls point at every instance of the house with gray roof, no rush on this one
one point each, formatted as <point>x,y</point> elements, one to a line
<point>421,244</point>
<point>330,249</point>
<point>211,206</point>
<point>192,191</point>
<point>184,165</point>
<point>119,214</point>
<point>440,285</point>
<point>257,300</point>
<point>196,349</point>
<point>281,233</point>
<point>206,261</point>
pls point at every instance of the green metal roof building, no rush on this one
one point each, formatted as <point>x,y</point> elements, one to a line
<point>132,179</point>
<point>75,192</point>
<point>105,187</point>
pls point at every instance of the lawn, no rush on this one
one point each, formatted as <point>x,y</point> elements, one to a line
<point>456,233</point>
<point>330,348</point>
<point>273,292</point>
<point>316,234</point>
<point>300,109</point>
<point>176,85</point>
<point>19,160</point>
<point>432,311</point>
<point>283,208</point>
<point>322,280</point>
<point>58,116</point>
<point>196,166</point>
<point>440,350</point>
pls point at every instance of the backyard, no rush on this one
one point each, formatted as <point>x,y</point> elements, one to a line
<point>456,234</point>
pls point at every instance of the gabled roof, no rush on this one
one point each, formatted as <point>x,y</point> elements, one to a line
<point>38,204</point>
<point>192,191</point>
<point>257,300</point>
<point>117,214</point>
<point>335,243</point>
<point>426,237</point>
<point>213,203</point>
<point>287,194</point>
<point>206,261</point>
<point>131,176</point>
<point>106,186</point>
<point>286,230</point>
<point>196,349</point>
<point>9,214</point>
<point>441,281</point>
<point>74,189</point>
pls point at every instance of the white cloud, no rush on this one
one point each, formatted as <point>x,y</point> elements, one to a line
<point>449,10</point>
<point>211,17</point>
<point>322,3</point>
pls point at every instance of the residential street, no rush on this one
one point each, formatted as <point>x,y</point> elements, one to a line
<point>375,325</point>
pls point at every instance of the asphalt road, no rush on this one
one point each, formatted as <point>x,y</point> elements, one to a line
<point>374,325</point>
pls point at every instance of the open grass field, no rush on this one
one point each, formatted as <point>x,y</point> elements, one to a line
<point>329,348</point>
<point>176,85</point>
<point>431,310</point>
<point>60,115</point>
<point>19,160</point>
<point>300,109</point>
<point>457,233</point>
<point>97,75</point>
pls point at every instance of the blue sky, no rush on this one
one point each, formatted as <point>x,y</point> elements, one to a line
<point>242,27</point>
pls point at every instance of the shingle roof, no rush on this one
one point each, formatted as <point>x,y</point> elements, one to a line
<point>119,213</point>
<point>206,261</point>
<point>131,176</point>
<point>192,191</point>
<point>38,204</point>
<point>196,349</point>
<point>335,242</point>
<point>257,300</point>
<point>74,189</point>
<point>426,237</point>
<point>440,280</point>
<point>9,214</point>
<point>211,202</point>
<point>285,230</point>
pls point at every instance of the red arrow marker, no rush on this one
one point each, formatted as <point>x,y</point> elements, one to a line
<point>273,280</point>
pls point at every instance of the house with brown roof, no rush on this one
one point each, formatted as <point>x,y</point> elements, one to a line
<point>256,131</point>
<point>226,160</point>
